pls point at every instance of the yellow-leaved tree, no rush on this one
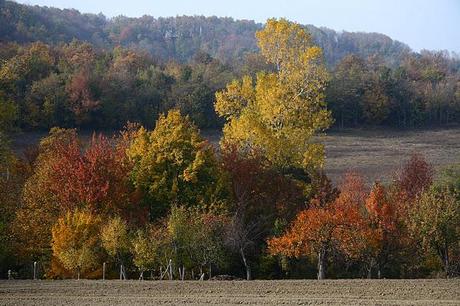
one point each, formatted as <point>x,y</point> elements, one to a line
<point>173,164</point>
<point>75,241</point>
<point>281,113</point>
<point>115,241</point>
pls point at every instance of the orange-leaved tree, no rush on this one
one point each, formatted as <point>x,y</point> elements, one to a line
<point>351,230</point>
<point>312,232</point>
<point>381,232</point>
<point>325,225</point>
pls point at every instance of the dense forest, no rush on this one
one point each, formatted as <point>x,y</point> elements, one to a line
<point>157,200</point>
<point>64,68</point>
<point>178,38</point>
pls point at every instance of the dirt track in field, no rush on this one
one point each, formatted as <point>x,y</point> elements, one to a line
<point>289,292</point>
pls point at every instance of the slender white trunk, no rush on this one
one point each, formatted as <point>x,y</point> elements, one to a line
<point>246,264</point>
<point>322,263</point>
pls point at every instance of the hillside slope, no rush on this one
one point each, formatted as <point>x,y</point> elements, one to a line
<point>175,37</point>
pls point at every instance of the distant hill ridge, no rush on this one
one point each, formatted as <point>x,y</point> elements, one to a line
<point>176,38</point>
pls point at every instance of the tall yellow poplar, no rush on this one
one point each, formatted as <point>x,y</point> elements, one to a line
<point>283,110</point>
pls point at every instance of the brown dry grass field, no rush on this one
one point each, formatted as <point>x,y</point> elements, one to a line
<point>378,154</point>
<point>287,292</point>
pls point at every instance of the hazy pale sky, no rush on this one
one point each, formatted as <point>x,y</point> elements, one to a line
<point>422,24</point>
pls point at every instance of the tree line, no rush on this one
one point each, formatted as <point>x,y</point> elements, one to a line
<point>78,85</point>
<point>100,73</point>
<point>163,199</point>
<point>423,90</point>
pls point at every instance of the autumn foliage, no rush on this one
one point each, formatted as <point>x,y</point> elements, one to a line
<point>168,202</point>
<point>81,206</point>
<point>75,241</point>
<point>69,177</point>
<point>320,227</point>
<point>365,226</point>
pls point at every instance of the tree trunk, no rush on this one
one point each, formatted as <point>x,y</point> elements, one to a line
<point>210,270</point>
<point>404,118</point>
<point>248,273</point>
<point>341,119</point>
<point>372,264</point>
<point>322,263</point>
<point>447,115</point>
<point>78,273</point>
<point>246,264</point>
<point>446,260</point>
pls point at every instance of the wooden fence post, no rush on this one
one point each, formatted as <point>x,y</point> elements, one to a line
<point>35,270</point>
<point>103,271</point>
<point>210,271</point>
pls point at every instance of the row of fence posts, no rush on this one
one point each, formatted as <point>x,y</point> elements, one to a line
<point>34,272</point>
<point>122,271</point>
<point>168,270</point>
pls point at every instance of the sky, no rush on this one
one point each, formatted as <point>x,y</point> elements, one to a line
<point>422,24</point>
